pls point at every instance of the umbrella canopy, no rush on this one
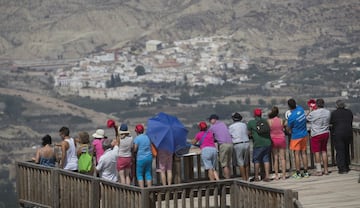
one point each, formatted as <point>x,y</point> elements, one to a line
<point>166,132</point>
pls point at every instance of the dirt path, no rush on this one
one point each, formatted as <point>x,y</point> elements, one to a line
<point>60,106</point>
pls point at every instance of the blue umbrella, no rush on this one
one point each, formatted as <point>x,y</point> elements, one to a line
<point>166,132</point>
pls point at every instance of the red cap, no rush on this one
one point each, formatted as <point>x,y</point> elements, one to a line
<point>257,112</point>
<point>202,126</point>
<point>139,128</point>
<point>312,104</point>
<point>110,123</point>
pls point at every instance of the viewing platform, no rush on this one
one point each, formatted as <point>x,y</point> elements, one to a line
<point>39,186</point>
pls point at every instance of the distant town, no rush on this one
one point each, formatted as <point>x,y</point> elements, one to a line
<point>194,62</point>
<point>117,74</point>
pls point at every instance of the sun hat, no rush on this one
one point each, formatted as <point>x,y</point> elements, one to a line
<point>100,133</point>
<point>257,112</point>
<point>123,129</point>
<point>236,116</point>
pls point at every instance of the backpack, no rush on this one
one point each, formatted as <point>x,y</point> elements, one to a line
<point>85,162</point>
<point>262,127</point>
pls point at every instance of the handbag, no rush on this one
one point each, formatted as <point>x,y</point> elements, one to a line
<point>153,150</point>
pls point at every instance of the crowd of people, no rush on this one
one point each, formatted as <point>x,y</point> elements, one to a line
<point>124,158</point>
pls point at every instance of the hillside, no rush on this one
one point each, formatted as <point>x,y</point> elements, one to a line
<point>309,29</point>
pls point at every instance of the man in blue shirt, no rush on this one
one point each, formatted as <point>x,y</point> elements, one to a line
<point>299,136</point>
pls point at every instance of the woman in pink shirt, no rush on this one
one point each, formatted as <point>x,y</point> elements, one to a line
<point>99,136</point>
<point>205,140</point>
<point>278,141</point>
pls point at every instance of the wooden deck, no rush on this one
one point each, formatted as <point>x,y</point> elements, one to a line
<point>333,190</point>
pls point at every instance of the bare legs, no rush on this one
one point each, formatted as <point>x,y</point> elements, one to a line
<point>318,162</point>
<point>166,177</point>
<point>303,158</point>
<point>279,154</point>
<point>257,170</point>
<point>325,161</point>
<point>213,175</point>
<point>125,176</point>
<point>226,172</point>
<point>244,172</point>
<point>148,183</point>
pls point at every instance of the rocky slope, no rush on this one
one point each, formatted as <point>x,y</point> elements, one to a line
<point>309,29</point>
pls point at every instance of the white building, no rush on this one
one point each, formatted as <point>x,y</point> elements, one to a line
<point>153,45</point>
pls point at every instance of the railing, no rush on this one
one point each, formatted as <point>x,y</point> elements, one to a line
<point>53,187</point>
<point>192,169</point>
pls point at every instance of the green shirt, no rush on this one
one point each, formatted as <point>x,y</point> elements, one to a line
<point>259,141</point>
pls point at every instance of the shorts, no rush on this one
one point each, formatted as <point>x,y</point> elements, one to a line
<point>123,163</point>
<point>242,153</point>
<point>209,157</point>
<point>298,144</point>
<point>225,154</point>
<point>144,167</point>
<point>319,142</point>
<point>278,143</point>
<point>165,160</point>
<point>261,154</point>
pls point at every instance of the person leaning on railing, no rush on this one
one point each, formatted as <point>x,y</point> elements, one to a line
<point>45,155</point>
<point>69,160</point>
<point>209,155</point>
<point>107,162</point>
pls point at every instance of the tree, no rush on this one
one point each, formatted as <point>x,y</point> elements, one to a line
<point>112,81</point>
<point>273,101</point>
<point>247,101</point>
<point>140,70</point>
<point>261,102</point>
<point>117,80</point>
<point>185,97</point>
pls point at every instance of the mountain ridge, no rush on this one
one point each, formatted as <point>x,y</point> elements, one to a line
<point>45,30</point>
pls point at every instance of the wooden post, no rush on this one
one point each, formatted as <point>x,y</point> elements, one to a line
<point>18,183</point>
<point>95,183</point>
<point>55,188</point>
<point>288,199</point>
<point>177,170</point>
<point>332,147</point>
<point>355,148</point>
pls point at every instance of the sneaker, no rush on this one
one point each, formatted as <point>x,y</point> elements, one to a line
<point>296,176</point>
<point>306,175</point>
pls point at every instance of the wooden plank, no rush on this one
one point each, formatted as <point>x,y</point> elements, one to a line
<point>177,170</point>
<point>183,199</point>
<point>55,188</point>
